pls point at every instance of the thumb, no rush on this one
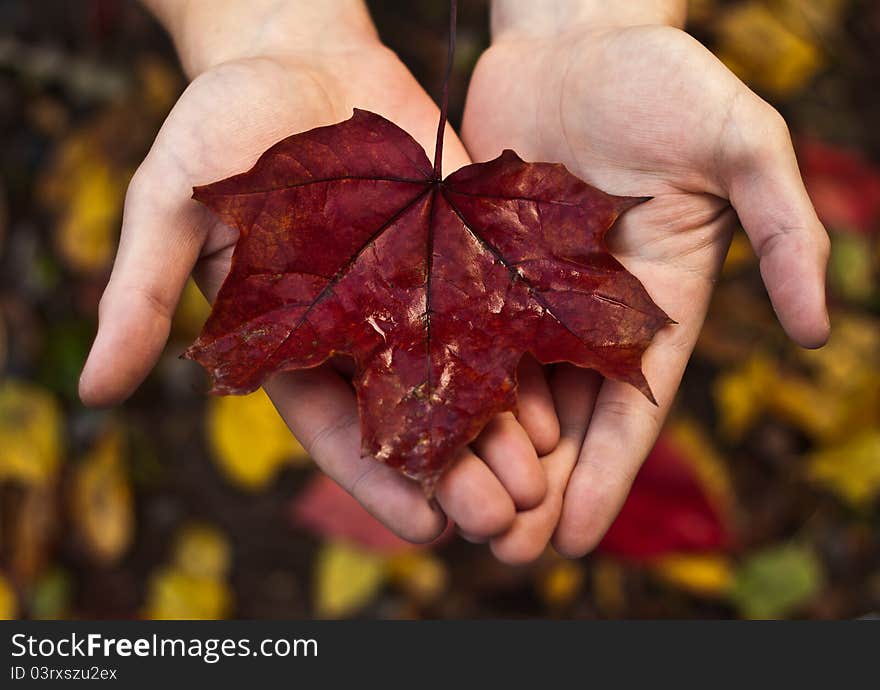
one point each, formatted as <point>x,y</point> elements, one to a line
<point>158,246</point>
<point>764,186</point>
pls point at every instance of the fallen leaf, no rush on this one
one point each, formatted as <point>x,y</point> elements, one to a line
<point>843,185</point>
<point>561,582</point>
<point>704,574</point>
<point>8,600</point>
<point>176,595</point>
<point>709,467</point>
<point>740,395</point>
<point>775,582</point>
<point>30,433</point>
<point>670,509</point>
<point>851,268</point>
<point>102,503</point>
<point>192,310</point>
<point>850,469</point>
<point>28,529</point>
<point>818,18</point>
<point>346,579</point>
<point>350,243</point>
<point>249,441</point>
<point>609,589</point>
<point>761,50</point>
<point>740,255</point>
<point>85,190</point>
<point>202,551</point>
<point>419,573</point>
<point>159,85</point>
<point>193,586</point>
<point>829,394</point>
<point>51,595</point>
<point>328,510</point>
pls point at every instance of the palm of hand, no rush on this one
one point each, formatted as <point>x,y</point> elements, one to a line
<point>226,117</point>
<point>236,110</point>
<point>631,112</point>
<point>642,111</point>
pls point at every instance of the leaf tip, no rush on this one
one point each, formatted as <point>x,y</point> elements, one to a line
<point>641,384</point>
<point>199,192</point>
<point>625,203</point>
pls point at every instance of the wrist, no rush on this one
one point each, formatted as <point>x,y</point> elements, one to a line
<point>209,32</point>
<point>526,18</point>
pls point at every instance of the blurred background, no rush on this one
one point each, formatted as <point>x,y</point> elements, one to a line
<point>760,500</point>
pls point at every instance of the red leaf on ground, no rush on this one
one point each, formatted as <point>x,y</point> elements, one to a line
<point>327,510</point>
<point>668,511</point>
<point>844,187</point>
<point>350,243</point>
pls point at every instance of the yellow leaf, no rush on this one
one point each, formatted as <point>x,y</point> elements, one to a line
<point>419,573</point>
<point>202,551</point>
<point>740,254</point>
<point>102,500</point>
<point>703,574</point>
<point>176,595</point>
<point>193,586</point>
<point>850,469</point>
<point>839,393</point>
<point>704,460</point>
<point>764,52</point>
<point>829,394</point>
<point>160,84</point>
<point>30,433</point>
<point>8,601</point>
<point>561,583</point>
<point>608,587</point>
<point>814,18</point>
<point>698,11</point>
<point>86,192</point>
<point>346,579</point>
<point>250,442</point>
<point>851,357</point>
<point>739,395</point>
<point>192,312</point>
<point>29,530</point>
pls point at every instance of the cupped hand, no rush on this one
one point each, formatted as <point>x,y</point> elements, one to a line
<point>644,111</point>
<point>225,119</point>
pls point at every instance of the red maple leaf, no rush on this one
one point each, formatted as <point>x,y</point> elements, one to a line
<point>352,243</point>
<point>327,510</point>
<point>668,510</point>
<point>844,186</point>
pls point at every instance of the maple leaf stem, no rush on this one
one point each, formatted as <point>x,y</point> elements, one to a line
<point>444,97</point>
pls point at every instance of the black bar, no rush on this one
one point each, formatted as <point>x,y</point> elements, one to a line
<point>563,654</point>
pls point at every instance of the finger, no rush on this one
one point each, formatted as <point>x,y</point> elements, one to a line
<point>321,410</point>
<point>473,539</point>
<point>158,246</point>
<point>508,451</point>
<point>622,431</point>
<point>574,391</point>
<point>535,406</point>
<point>473,497</point>
<point>766,189</point>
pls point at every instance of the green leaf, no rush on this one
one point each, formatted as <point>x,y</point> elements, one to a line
<point>774,582</point>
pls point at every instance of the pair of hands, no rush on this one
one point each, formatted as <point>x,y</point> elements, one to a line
<point>632,109</point>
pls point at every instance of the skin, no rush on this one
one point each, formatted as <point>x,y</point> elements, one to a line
<point>261,70</point>
<point>639,108</point>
